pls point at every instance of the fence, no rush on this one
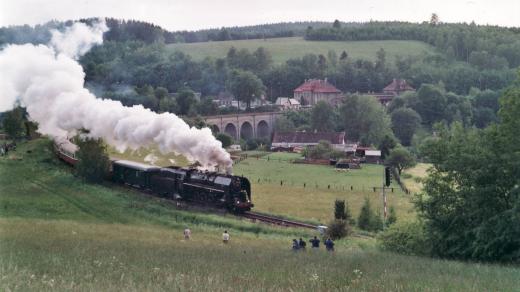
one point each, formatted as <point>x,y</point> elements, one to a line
<point>397,177</point>
<point>316,185</point>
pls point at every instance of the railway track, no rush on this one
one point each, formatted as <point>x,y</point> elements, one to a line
<point>276,220</point>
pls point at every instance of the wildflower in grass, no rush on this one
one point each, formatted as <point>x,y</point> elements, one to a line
<point>315,277</point>
<point>357,276</point>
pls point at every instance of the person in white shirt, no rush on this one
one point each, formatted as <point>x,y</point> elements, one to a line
<point>187,233</point>
<point>225,237</point>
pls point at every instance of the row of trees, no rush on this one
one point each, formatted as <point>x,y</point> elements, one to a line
<point>491,47</point>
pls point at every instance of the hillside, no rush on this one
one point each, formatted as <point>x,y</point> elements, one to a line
<point>58,233</point>
<point>283,49</point>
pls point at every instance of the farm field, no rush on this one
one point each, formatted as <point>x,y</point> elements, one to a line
<point>58,233</point>
<point>278,187</point>
<point>283,49</point>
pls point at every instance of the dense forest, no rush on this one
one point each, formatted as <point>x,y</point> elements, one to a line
<point>135,30</point>
<point>135,66</point>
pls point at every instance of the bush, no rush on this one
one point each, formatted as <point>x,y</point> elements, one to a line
<point>338,229</point>
<point>406,238</point>
<point>93,161</point>
<point>225,139</point>
<point>392,216</point>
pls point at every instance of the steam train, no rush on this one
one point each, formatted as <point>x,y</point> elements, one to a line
<point>177,183</point>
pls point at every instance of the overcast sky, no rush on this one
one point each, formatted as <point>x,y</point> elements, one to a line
<point>198,14</point>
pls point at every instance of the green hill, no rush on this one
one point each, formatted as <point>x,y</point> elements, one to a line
<point>58,233</point>
<point>283,49</point>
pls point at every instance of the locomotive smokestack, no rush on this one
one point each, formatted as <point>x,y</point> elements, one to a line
<point>49,83</point>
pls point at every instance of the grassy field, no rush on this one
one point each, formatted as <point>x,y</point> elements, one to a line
<point>58,233</point>
<point>278,187</point>
<point>283,49</point>
<point>412,177</point>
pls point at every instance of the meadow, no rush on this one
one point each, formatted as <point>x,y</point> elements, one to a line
<point>412,177</point>
<point>59,233</point>
<point>309,191</point>
<point>283,49</point>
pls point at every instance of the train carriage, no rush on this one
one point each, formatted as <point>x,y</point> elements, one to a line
<point>212,188</point>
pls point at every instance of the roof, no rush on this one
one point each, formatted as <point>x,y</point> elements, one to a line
<point>398,85</point>
<point>317,85</point>
<point>309,137</point>
<point>372,153</point>
<point>136,165</point>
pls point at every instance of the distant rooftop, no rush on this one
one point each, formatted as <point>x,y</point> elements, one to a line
<point>317,85</point>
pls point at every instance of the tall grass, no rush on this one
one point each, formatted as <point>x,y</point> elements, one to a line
<point>58,233</point>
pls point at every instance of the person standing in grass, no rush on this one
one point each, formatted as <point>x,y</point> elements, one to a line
<point>302,244</point>
<point>225,237</point>
<point>295,245</point>
<point>329,244</point>
<point>315,242</point>
<point>187,233</point>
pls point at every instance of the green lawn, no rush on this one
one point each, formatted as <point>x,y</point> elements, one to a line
<point>283,49</point>
<point>58,233</point>
<point>302,190</point>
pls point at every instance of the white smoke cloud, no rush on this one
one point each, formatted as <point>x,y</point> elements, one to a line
<point>78,39</point>
<point>49,83</point>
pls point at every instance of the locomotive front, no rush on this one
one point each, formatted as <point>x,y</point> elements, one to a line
<point>241,194</point>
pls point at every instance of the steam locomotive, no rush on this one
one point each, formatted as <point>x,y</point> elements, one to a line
<point>177,183</point>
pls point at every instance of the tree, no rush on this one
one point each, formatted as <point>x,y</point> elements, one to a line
<point>246,86</point>
<point>339,227</point>
<point>366,216</point>
<point>336,24</point>
<point>434,19</point>
<point>405,122</point>
<point>400,158</point>
<point>471,199</point>
<point>343,56</point>
<point>365,119</point>
<point>431,104</point>
<point>321,151</point>
<point>387,144</point>
<point>185,100</point>
<point>225,139</point>
<point>283,124</point>
<point>322,117</point>
<point>161,93</point>
<point>339,210</point>
<point>13,123</point>
<point>93,160</point>
<point>168,104</point>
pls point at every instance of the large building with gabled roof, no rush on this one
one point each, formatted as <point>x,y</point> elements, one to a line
<point>314,90</point>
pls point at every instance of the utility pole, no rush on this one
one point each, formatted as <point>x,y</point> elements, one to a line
<point>387,180</point>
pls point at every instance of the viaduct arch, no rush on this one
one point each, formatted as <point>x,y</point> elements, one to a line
<point>244,126</point>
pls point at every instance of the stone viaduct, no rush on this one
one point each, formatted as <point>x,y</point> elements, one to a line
<point>245,125</point>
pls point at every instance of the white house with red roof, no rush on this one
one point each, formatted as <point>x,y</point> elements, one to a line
<point>314,90</point>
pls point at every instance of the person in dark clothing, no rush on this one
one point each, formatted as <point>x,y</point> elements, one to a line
<point>295,245</point>
<point>302,244</point>
<point>329,244</point>
<point>315,242</point>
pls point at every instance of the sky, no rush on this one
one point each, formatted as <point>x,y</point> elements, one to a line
<point>200,14</point>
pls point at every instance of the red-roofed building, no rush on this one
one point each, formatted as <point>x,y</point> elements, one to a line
<point>392,90</point>
<point>314,90</point>
<point>397,87</point>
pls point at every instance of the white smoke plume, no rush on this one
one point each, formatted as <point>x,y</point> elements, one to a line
<point>49,83</point>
